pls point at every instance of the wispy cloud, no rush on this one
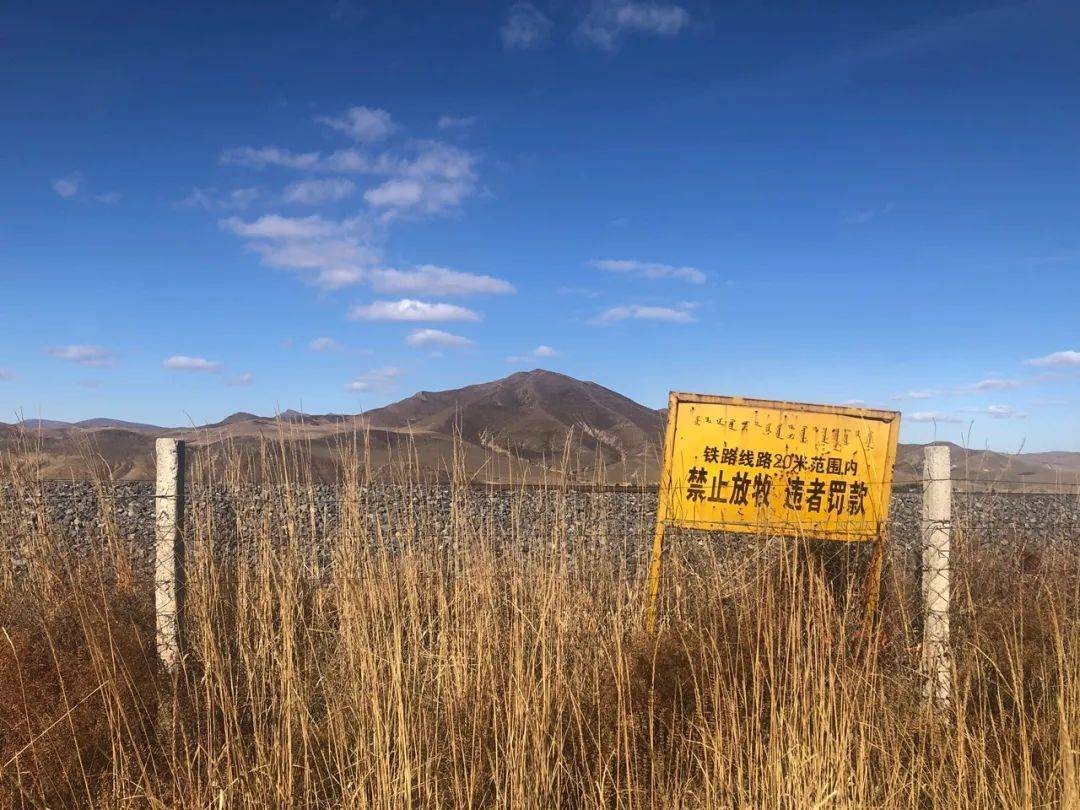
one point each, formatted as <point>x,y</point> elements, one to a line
<point>609,21</point>
<point>577,292</point>
<point>331,264</point>
<point>934,416</point>
<point>681,314</point>
<point>324,345</point>
<point>278,227</point>
<point>240,380</point>
<point>456,123</point>
<point>379,379</point>
<point>541,352</point>
<point>996,411</point>
<point>426,177</point>
<point>865,215</point>
<point>362,124</point>
<point>208,199</point>
<point>423,338</point>
<point>318,192</point>
<point>915,395</point>
<point>526,28</point>
<point>67,186</point>
<point>651,270</point>
<point>91,356</point>
<point>261,157</point>
<point>437,178</point>
<point>991,384</point>
<point>6,375</point>
<point>944,34</point>
<point>430,279</point>
<point>1064,258</point>
<point>181,362</point>
<point>329,253</point>
<point>404,182</point>
<point>109,197</point>
<point>411,310</point>
<point>1067,358</point>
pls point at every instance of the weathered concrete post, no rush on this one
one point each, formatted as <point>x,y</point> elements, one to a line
<point>169,550</point>
<point>936,530</point>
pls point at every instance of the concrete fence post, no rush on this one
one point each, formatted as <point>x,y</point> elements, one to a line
<point>936,531</point>
<point>169,550</point>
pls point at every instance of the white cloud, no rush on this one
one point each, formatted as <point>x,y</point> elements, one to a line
<point>329,253</point>
<point>277,227</point>
<point>438,178</point>
<point>410,310</point>
<point>452,123</point>
<point>436,337</point>
<point>376,380</point>
<point>328,263</point>
<point>83,354</point>
<point>430,279</point>
<point>400,193</point>
<point>362,124</point>
<point>6,375</point>
<point>653,270</point>
<point>324,344</point>
<point>259,158</point>
<point>70,186</point>
<point>526,28</point>
<point>851,403</point>
<point>208,199</point>
<point>997,412</point>
<point>423,178</point>
<point>317,192</point>
<point>241,380</point>
<point>67,186</point>
<point>915,395</point>
<point>541,352</point>
<point>180,362</point>
<point>1069,357</point>
<point>1004,412</point>
<point>610,20</point>
<point>993,384</point>
<point>338,278</point>
<point>934,416</point>
<point>644,313</point>
<point>348,161</point>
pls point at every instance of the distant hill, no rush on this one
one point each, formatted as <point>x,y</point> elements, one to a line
<point>116,423</point>
<point>532,415</point>
<point>529,426</point>
<point>43,424</point>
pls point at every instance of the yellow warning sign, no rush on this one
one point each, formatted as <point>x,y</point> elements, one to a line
<point>784,468</point>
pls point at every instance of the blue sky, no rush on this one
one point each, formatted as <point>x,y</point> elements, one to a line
<point>330,205</point>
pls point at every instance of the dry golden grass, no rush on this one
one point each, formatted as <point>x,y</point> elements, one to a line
<point>395,671</point>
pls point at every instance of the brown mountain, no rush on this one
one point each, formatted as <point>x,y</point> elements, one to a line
<point>530,426</point>
<point>535,416</point>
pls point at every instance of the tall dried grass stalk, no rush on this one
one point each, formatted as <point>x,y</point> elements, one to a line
<point>404,659</point>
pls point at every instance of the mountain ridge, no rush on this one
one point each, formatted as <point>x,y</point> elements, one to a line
<point>526,426</point>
